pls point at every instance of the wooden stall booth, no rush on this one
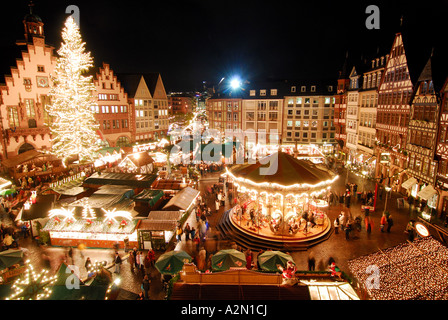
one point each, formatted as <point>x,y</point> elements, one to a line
<point>157,230</point>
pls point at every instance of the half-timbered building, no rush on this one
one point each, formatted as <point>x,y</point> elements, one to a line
<point>421,137</point>
<point>393,113</point>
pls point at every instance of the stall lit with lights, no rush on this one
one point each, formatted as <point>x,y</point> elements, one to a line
<point>92,226</point>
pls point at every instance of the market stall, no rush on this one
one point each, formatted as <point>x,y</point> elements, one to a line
<point>157,229</point>
<point>33,213</point>
<point>183,200</point>
<point>110,228</point>
<point>147,200</point>
<point>107,156</point>
<point>133,180</point>
<point>32,163</point>
<point>140,162</point>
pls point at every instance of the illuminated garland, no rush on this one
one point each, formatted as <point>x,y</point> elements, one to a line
<point>279,186</point>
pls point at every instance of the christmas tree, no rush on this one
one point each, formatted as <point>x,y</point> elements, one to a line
<point>74,126</point>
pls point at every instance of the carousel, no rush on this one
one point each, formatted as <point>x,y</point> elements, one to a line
<point>280,197</point>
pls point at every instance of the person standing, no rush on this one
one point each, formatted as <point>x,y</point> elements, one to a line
<point>88,264</point>
<point>348,228</point>
<point>146,286</point>
<point>336,225</point>
<point>117,262</point>
<point>131,260</point>
<point>390,223</point>
<point>249,259</point>
<point>410,230</point>
<point>152,256</point>
<point>311,262</point>
<point>187,231</point>
<point>179,233</point>
<point>383,222</point>
<point>369,224</point>
<point>147,265</point>
<point>141,262</point>
<point>342,220</point>
<point>217,205</point>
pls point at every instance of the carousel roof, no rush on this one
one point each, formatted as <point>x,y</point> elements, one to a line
<point>289,172</point>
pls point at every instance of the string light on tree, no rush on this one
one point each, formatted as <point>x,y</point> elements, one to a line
<point>73,126</point>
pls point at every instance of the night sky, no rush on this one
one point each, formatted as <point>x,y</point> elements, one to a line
<point>193,41</point>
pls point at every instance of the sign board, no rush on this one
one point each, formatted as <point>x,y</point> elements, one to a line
<point>385,158</point>
<point>421,229</point>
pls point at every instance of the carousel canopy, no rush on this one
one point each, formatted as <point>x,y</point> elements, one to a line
<point>289,172</point>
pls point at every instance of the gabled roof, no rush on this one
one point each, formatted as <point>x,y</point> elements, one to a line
<point>151,81</point>
<point>435,70</point>
<point>129,82</point>
<point>182,200</point>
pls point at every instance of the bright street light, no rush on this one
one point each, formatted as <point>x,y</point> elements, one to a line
<point>235,83</point>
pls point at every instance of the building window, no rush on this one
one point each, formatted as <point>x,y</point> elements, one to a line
<point>303,89</point>
<point>252,93</point>
<point>40,69</point>
<point>313,88</point>
<point>273,92</point>
<point>13,117</point>
<point>262,92</point>
<point>29,108</point>
<point>293,89</point>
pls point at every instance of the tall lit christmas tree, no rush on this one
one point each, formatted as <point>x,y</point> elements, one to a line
<point>73,127</point>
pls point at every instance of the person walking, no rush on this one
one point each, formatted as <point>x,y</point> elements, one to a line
<point>147,265</point>
<point>146,286</point>
<point>187,231</point>
<point>117,262</point>
<point>311,262</point>
<point>217,205</point>
<point>383,222</point>
<point>152,256</point>
<point>141,262</point>
<point>88,264</point>
<point>369,224</point>
<point>179,233</point>
<point>390,223</point>
<point>342,220</point>
<point>410,230</point>
<point>192,233</point>
<point>348,228</point>
<point>131,260</point>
